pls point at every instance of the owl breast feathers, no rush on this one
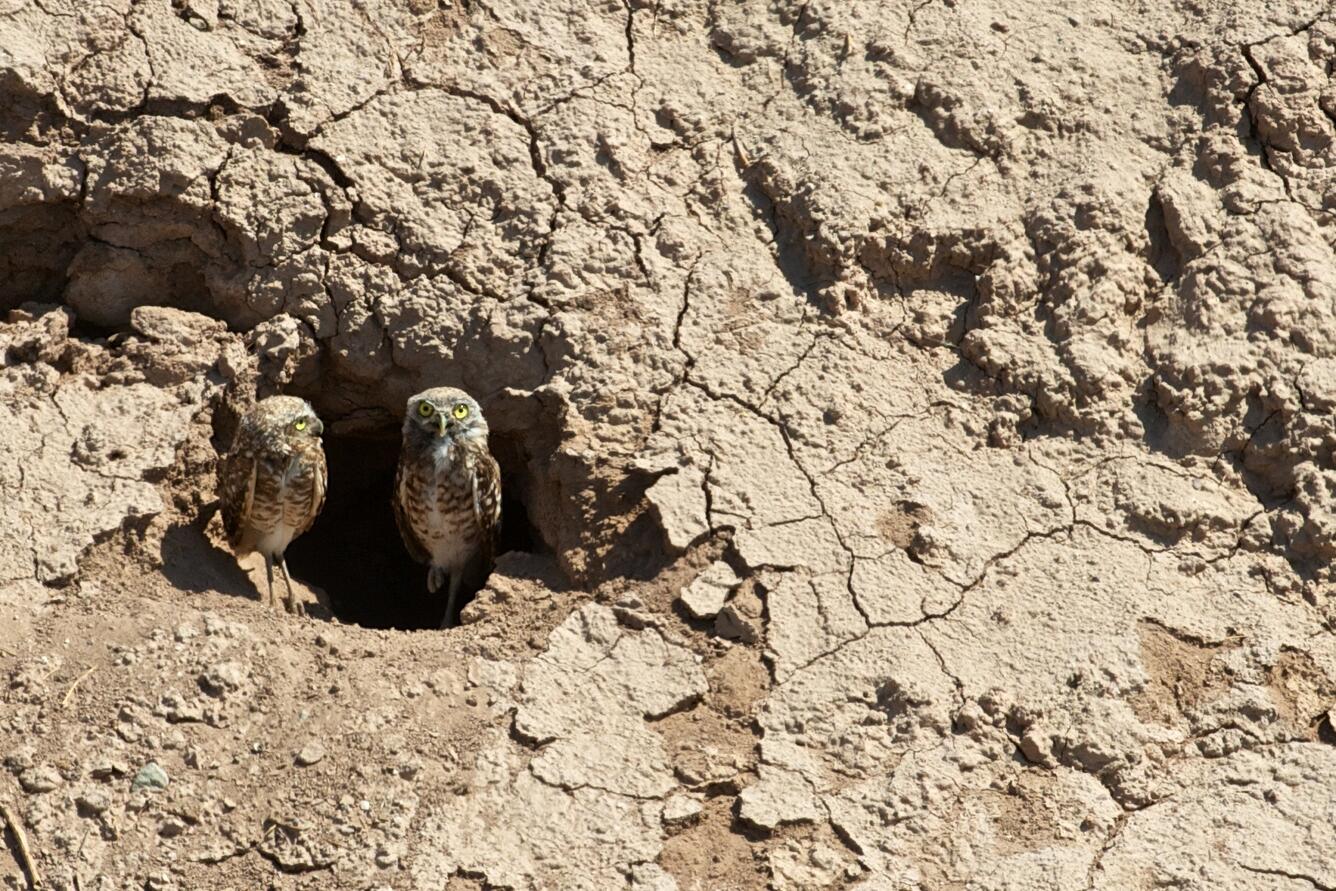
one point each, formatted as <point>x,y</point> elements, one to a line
<point>451,511</point>
<point>272,481</point>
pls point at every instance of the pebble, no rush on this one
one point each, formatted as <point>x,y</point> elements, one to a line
<point>171,827</point>
<point>680,808</point>
<point>732,624</point>
<point>150,777</point>
<point>221,679</point>
<point>705,597</point>
<point>39,779</point>
<point>19,759</point>
<point>182,712</point>
<point>93,802</point>
<point>104,769</point>
<point>160,881</point>
<point>311,753</point>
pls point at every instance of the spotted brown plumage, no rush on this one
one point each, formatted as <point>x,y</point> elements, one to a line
<point>447,492</point>
<point>271,483</point>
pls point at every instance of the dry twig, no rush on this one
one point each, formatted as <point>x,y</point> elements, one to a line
<point>25,856</point>
<point>65,702</point>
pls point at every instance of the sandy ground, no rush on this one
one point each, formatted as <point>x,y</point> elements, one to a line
<point>915,421</point>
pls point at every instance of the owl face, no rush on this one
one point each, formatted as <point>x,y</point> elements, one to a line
<point>444,412</point>
<point>293,419</point>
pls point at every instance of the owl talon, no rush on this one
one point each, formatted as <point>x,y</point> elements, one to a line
<point>292,605</point>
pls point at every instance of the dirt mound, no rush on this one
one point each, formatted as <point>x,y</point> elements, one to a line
<point>915,420</point>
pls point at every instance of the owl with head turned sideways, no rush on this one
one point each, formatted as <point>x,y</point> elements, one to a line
<point>271,483</point>
<point>447,493</point>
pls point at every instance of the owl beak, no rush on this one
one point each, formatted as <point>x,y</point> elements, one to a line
<point>441,422</point>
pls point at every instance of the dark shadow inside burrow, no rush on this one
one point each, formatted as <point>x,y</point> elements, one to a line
<point>354,552</point>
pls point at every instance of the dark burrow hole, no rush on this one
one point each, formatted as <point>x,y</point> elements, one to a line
<point>354,553</point>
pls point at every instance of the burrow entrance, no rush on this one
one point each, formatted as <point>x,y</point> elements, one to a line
<point>354,552</point>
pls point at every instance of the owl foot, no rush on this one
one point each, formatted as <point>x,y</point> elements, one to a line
<point>294,606</point>
<point>436,578</point>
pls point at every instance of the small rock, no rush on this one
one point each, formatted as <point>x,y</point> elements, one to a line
<point>705,597</point>
<point>214,626</point>
<point>171,827</point>
<point>182,711</point>
<point>633,619</point>
<point>19,759</point>
<point>39,779</point>
<point>732,624</point>
<point>106,769</point>
<point>160,881</point>
<point>311,753</point>
<point>1037,748</point>
<point>221,679</point>
<point>680,809</point>
<point>689,774</point>
<point>92,802</point>
<point>386,856</point>
<point>150,777</point>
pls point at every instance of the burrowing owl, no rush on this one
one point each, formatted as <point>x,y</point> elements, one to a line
<point>272,483</point>
<point>447,497</point>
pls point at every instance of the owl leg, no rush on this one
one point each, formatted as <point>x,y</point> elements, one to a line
<point>455,578</point>
<point>435,578</point>
<point>292,605</point>
<point>269,574</point>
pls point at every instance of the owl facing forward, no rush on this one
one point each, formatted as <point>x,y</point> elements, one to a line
<point>447,498</point>
<point>271,484</point>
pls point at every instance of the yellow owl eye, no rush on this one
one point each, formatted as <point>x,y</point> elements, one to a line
<point>299,425</point>
<point>461,411</point>
<point>425,410</point>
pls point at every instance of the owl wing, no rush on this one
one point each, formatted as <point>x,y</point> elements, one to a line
<point>319,480</point>
<point>487,502</point>
<point>236,491</point>
<point>416,550</point>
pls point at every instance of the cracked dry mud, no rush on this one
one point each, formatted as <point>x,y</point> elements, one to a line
<point>917,419</point>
